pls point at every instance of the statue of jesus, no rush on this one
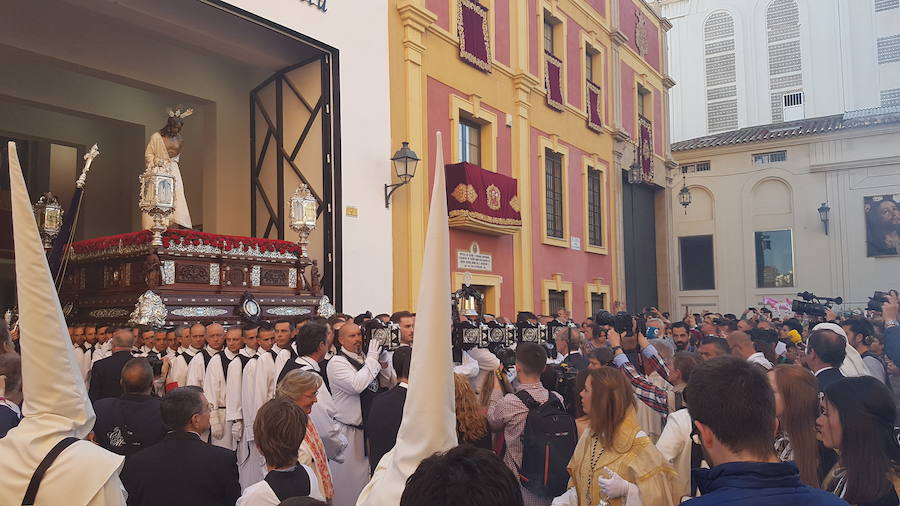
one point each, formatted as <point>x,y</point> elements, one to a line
<point>164,148</point>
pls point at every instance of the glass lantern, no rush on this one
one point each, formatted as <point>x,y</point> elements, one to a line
<point>157,198</point>
<point>304,214</point>
<point>684,197</point>
<point>49,216</point>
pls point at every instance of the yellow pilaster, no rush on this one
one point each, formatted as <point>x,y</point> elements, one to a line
<point>410,204</point>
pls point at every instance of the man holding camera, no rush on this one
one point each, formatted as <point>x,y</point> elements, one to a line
<point>353,378</point>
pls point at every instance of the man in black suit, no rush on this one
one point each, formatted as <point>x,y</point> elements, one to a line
<point>133,421</point>
<point>181,469</point>
<point>386,412</point>
<point>106,375</point>
<point>825,352</point>
<point>568,346</point>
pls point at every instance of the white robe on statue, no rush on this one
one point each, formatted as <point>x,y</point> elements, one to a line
<point>157,152</point>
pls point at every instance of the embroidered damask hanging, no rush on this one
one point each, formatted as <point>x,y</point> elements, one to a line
<point>553,81</point>
<point>482,201</point>
<point>645,149</point>
<point>593,107</point>
<point>474,34</point>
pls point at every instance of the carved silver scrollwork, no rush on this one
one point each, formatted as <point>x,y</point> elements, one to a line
<point>292,277</point>
<point>214,276</point>
<point>108,312</point>
<point>149,310</point>
<point>168,272</point>
<point>199,311</point>
<point>254,276</point>
<point>326,310</point>
<point>288,311</point>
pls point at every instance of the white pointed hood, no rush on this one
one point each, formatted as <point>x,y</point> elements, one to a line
<point>56,404</point>
<point>52,383</point>
<point>429,414</point>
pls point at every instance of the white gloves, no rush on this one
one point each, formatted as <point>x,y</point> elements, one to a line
<point>613,487</point>
<point>374,350</point>
<point>215,428</point>
<point>569,498</point>
<point>237,430</point>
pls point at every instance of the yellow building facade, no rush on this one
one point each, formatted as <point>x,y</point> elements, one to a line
<point>541,103</point>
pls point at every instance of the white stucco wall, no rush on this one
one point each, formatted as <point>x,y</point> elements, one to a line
<point>838,51</point>
<point>838,169</point>
<point>358,29</point>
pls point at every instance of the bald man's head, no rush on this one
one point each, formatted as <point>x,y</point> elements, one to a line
<point>215,336</point>
<point>137,376</point>
<point>350,337</point>
<point>741,344</point>
<point>198,336</point>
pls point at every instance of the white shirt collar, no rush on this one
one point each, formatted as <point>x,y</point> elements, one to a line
<point>356,356</point>
<point>403,384</point>
<point>822,369</point>
<point>306,359</point>
<point>210,350</point>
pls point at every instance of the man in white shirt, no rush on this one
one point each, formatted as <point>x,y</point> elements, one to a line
<point>266,375</point>
<point>860,334</point>
<point>742,346</point>
<point>352,377</point>
<point>313,341</point>
<point>215,342</point>
<point>147,335</point>
<point>192,341</point>
<point>258,340</point>
<point>287,351</point>
<point>216,388</point>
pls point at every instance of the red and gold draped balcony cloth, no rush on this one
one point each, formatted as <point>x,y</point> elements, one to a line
<point>474,34</point>
<point>593,106</point>
<point>645,148</point>
<point>553,81</point>
<point>482,201</point>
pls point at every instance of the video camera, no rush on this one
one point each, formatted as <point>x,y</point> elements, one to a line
<point>621,322</point>
<point>813,305</point>
<point>386,334</point>
<point>877,300</point>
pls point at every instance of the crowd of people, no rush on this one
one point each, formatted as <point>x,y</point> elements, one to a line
<point>712,408</point>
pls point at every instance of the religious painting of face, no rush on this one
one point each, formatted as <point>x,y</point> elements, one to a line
<point>882,225</point>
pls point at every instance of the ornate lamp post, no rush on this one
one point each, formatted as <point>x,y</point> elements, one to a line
<point>157,198</point>
<point>304,210</point>
<point>635,171</point>
<point>405,161</point>
<point>49,217</point>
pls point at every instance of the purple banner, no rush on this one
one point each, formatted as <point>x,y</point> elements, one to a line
<point>474,35</point>
<point>593,107</point>
<point>553,81</point>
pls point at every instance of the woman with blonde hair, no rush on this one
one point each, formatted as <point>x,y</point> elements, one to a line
<point>615,463</point>
<point>301,388</point>
<point>471,423</point>
<point>796,410</point>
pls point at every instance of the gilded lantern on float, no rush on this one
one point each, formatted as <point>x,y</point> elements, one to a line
<point>49,216</point>
<point>304,212</point>
<point>157,198</point>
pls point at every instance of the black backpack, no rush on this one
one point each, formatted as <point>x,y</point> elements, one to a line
<point>548,443</point>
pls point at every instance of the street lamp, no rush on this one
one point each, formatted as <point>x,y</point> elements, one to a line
<point>684,195</point>
<point>635,175</point>
<point>405,161</point>
<point>823,215</point>
<point>304,212</point>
